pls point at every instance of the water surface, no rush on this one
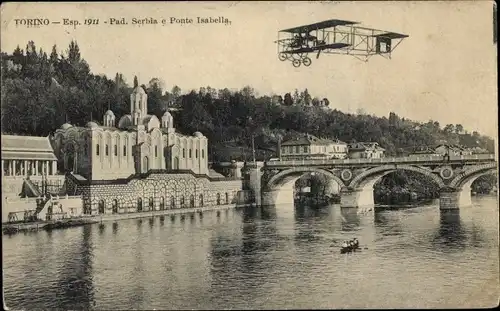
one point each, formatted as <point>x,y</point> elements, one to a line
<point>287,257</point>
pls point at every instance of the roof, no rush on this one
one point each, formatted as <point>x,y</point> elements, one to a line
<point>310,140</point>
<point>27,148</point>
<point>320,25</point>
<point>139,89</point>
<point>362,146</point>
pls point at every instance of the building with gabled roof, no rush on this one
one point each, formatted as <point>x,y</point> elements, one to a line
<point>312,146</point>
<point>365,150</point>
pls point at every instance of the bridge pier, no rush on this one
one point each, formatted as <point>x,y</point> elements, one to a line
<point>453,199</point>
<point>356,197</point>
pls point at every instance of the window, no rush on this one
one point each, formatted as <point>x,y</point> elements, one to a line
<point>290,149</point>
<point>203,153</point>
<point>305,149</point>
<point>85,150</point>
<point>124,151</point>
<point>190,153</point>
<point>97,149</point>
<point>297,149</point>
<point>183,152</point>
<point>196,153</point>
<point>116,150</point>
<point>106,150</point>
<point>156,151</point>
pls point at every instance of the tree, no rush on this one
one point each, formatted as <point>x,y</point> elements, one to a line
<point>449,128</point>
<point>459,128</point>
<point>288,101</point>
<point>136,82</point>
<point>326,102</point>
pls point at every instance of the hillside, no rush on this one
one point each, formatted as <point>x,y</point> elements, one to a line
<point>40,92</point>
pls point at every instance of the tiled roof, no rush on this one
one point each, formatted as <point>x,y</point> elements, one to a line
<point>310,140</point>
<point>361,146</point>
<point>27,148</point>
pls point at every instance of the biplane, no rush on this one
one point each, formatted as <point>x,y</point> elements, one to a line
<point>335,36</point>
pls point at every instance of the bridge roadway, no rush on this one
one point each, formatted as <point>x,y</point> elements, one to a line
<point>425,160</point>
<point>273,181</point>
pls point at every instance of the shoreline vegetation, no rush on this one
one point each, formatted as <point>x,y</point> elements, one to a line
<point>41,91</point>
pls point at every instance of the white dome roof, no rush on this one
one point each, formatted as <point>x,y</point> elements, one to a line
<point>109,113</point>
<point>198,134</point>
<point>66,126</point>
<point>139,90</point>
<point>92,124</point>
<point>167,114</point>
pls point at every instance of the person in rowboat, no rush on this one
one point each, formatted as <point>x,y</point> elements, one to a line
<point>344,245</point>
<point>356,242</point>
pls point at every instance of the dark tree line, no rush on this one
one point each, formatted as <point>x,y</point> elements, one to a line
<point>42,91</point>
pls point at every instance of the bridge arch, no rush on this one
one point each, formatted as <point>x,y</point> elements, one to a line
<point>292,174</point>
<point>280,187</point>
<point>368,178</point>
<point>463,182</point>
<point>468,176</point>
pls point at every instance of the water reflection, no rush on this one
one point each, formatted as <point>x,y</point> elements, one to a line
<point>451,233</point>
<point>350,219</point>
<point>115,228</point>
<point>76,279</point>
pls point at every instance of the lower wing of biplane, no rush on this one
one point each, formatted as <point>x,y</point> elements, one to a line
<point>335,37</point>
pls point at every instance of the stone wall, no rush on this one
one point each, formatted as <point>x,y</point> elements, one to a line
<point>156,192</point>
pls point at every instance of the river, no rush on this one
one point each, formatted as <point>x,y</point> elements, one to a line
<point>249,259</point>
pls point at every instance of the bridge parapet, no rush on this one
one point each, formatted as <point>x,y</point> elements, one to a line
<point>464,159</point>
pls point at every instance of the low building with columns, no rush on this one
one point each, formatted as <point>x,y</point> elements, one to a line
<point>27,156</point>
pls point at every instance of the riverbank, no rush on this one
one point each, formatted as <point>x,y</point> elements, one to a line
<point>12,228</point>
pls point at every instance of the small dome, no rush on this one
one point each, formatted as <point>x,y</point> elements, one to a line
<point>92,124</point>
<point>198,134</point>
<point>167,114</point>
<point>66,126</point>
<point>139,90</point>
<point>109,113</point>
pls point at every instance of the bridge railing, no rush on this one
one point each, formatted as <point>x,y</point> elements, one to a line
<point>412,159</point>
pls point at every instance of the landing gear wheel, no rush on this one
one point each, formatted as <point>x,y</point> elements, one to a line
<point>282,56</point>
<point>306,61</point>
<point>296,63</point>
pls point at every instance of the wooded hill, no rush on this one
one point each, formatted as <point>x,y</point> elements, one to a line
<point>42,91</point>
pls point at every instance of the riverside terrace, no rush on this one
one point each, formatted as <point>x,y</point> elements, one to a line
<point>272,181</point>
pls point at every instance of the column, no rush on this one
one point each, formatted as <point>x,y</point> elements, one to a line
<point>54,167</point>
<point>10,168</point>
<point>14,168</point>
<point>35,168</point>
<point>25,169</point>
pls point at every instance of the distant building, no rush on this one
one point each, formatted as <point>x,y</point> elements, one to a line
<point>365,150</point>
<point>309,146</point>
<point>446,149</point>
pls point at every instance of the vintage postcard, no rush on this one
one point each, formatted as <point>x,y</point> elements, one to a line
<point>249,155</point>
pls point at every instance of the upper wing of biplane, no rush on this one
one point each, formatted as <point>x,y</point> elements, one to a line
<point>391,35</point>
<point>320,25</point>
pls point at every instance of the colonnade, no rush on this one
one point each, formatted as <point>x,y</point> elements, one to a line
<point>31,167</point>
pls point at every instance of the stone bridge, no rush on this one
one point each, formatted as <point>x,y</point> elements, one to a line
<point>273,182</point>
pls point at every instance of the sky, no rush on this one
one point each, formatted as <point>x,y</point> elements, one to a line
<point>445,70</point>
